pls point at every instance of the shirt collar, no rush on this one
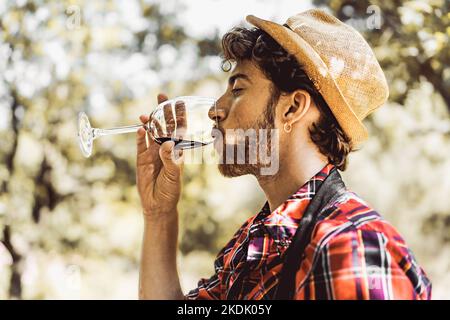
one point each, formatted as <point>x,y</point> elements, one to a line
<point>282,222</point>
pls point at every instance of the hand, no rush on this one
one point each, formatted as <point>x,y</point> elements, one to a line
<point>158,173</point>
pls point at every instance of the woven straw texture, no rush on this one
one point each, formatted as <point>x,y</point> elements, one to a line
<point>339,62</point>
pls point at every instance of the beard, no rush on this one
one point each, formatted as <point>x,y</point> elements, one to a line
<point>244,156</point>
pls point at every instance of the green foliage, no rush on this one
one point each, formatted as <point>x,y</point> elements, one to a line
<point>57,208</point>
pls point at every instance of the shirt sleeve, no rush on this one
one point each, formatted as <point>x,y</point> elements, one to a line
<point>364,264</point>
<point>207,289</point>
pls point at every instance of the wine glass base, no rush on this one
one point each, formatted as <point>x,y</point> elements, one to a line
<point>85,135</point>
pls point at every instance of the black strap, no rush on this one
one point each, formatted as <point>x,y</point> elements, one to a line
<point>329,190</point>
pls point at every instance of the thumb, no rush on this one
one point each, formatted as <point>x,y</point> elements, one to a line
<point>171,157</point>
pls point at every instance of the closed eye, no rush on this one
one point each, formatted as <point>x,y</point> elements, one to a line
<point>236,91</point>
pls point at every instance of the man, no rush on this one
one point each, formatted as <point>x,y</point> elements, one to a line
<point>315,79</point>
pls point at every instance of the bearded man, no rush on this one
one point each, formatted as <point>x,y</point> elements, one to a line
<point>313,79</point>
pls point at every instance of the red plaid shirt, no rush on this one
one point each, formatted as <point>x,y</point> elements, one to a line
<point>353,254</point>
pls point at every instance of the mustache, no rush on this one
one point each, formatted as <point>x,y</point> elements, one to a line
<point>216,129</point>
<point>239,136</point>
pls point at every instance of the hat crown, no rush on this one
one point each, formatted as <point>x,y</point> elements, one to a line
<point>338,61</point>
<point>348,58</point>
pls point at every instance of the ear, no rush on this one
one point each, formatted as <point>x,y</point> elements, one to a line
<point>297,105</point>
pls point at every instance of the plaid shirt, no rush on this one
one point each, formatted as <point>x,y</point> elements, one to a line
<point>353,254</point>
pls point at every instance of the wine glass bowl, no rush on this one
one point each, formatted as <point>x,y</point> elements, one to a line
<point>185,120</point>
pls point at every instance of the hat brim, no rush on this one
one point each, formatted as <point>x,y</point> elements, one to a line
<point>318,72</point>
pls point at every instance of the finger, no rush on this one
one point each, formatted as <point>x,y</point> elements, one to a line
<point>180,113</point>
<point>169,118</point>
<point>141,140</point>
<point>173,165</point>
<point>162,97</point>
<point>144,118</point>
<point>159,129</point>
<point>147,149</point>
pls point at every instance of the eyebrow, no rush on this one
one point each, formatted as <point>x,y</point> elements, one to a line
<point>233,78</point>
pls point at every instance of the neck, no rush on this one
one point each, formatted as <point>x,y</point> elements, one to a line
<point>294,172</point>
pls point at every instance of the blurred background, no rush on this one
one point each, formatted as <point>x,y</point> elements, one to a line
<point>71,227</point>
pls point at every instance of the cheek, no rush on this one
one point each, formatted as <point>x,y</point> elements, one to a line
<point>239,113</point>
<point>247,108</point>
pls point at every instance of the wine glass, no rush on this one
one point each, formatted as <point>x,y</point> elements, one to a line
<point>186,120</point>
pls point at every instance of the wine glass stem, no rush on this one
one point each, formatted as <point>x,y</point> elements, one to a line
<point>96,132</point>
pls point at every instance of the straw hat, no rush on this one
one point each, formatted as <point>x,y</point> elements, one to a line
<point>338,61</point>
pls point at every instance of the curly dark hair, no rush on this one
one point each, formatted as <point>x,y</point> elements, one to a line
<point>287,75</point>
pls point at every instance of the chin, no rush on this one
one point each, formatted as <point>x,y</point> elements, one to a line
<point>237,170</point>
<point>229,171</point>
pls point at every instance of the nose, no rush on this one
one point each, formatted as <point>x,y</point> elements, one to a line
<point>217,113</point>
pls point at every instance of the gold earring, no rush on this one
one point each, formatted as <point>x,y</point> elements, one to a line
<point>287,127</point>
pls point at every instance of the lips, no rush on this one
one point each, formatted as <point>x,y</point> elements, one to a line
<point>215,132</point>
